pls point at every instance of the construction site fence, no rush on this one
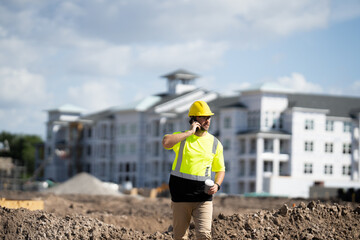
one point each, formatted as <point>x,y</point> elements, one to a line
<point>11,184</point>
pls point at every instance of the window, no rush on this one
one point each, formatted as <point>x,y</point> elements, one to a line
<point>49,133</point>
<point>268,145</point>
<point>89,133</point>
<point>283,168</point>
<point>132,147</point>
<point>241,187</point>
<point>110,132</point>
<point>148,129</point>
<point>281,121</point>
<point>102,169</point>
<point>346,148</point>
<point>284,146</point>
<point>227,166</point>
<point>308,168</point>
<point>347,126</point>
<point>156,128</point>
<point>242,146</point>
<point>156,168</point>
<point>122,130</point>
<point>227,122</point>
<point>268,166</point>
<point>252,168</point>
<point>328,169</point>
<point>241,168</point>
<point>111,150</point>
<point>309,146</point>
<point>226,144</point>
<point>329,127</point>
<point>103,131</point>
<point>122,148</point>
<point>253,119</point>
<point>133,128</point>
<point>328,147</point>
<point>346,170</point>
<point>274,121</point>
<point>252,187</point>
<point>156,151</point>
<point>88,150</point>
<point>309,124</point>
<point>253,146</point>
<point>103,150</point>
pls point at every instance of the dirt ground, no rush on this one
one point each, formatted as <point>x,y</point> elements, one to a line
<point>133,217</point>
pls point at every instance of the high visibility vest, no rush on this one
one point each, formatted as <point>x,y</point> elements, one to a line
<point>196,164</point>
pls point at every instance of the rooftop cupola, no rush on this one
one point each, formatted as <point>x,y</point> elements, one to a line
<point>180,81</point>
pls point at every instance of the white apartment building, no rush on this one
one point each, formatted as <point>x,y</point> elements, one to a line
<point>275,141</point>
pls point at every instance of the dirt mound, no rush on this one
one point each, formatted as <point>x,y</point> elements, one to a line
<point>314,220</point>
<point>84,183</point>
<point>24,224</point>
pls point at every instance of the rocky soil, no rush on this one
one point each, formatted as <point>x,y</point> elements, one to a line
<point>79,216</point>
<point>86,208</point>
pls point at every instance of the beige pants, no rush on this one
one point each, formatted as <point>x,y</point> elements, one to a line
<point>201,213</point>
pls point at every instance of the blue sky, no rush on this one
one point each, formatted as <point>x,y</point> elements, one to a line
<point>97,54</point>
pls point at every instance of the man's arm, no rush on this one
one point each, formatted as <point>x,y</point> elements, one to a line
<point>170,140</point>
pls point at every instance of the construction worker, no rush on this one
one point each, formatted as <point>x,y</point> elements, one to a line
<point>197,154</point>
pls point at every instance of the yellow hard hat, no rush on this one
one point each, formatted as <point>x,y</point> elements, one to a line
<point>200,108</point>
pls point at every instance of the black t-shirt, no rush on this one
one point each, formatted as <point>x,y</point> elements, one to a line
<point>185,190</point>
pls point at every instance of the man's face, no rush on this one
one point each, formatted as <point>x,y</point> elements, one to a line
<point>204,122</point>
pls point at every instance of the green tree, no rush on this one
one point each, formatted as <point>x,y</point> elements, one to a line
<point>22,149</point>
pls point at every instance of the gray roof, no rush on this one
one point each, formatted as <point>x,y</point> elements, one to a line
<point>181,74</point>
<point>226,102</point>
<point>338,106</point>
<point>108,113</point>
<point>168,97</point>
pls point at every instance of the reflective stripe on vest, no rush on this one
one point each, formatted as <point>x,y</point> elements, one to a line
<point>177,172</point>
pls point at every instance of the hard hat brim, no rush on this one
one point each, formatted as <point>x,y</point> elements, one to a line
<point>202,115</point>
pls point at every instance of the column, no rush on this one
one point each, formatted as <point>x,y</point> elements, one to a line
<point>259,164</point>
<point>276,162</point>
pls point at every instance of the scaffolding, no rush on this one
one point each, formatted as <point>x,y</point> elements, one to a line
<point>10,174</point>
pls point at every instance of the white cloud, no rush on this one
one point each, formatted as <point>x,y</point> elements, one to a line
<point>206,82</point>
<point>23,120</point>
<point>96,95</point>
<point>297,82</point>
<point>200,55</point>
<point>356,85</point>
<point>3,32</point>
<point>285,17</point>
<point>65,42</point>
<point>355,89</point>
<point>234,88</point>
<point>345,10</point>
<point>17,53</point>
<point>101,59</point>
<point>241,20</point>
<point>20,87</point>
<point>143,22</point>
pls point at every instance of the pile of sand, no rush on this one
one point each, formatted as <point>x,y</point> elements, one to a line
<point>84,183</point>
